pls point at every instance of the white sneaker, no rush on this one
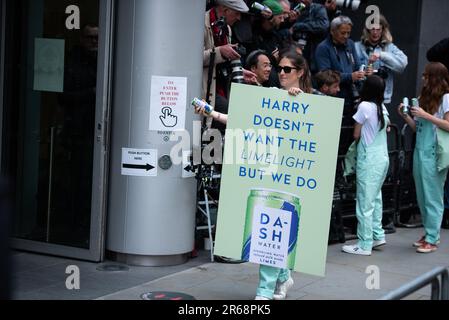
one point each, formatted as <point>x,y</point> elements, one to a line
<point>379,243</point>
<point>261,298</point>
<point>355,249</point>
<point>281,289</point>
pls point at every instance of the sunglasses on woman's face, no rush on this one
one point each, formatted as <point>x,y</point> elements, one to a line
<point>286,69</point>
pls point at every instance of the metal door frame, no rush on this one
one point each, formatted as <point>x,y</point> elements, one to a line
<point>101,142</point>
<point>2,66</point>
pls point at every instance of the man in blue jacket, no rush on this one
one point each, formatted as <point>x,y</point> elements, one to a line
<point>337,52</point>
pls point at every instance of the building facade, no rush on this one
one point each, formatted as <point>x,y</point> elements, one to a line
<point>77,84</point>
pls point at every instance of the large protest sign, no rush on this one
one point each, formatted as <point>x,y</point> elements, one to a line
<point>278,178</point>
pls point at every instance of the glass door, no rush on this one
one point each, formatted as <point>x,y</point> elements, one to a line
<point>54,129</point>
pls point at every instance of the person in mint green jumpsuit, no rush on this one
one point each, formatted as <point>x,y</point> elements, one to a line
<point>274,282</point>
<point>433,111</point>
<point>269,277</point>
<point>372,168</point>
<point>372,165</point>
<point>294,77</point>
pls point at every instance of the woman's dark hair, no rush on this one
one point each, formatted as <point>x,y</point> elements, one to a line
<point>437,86</point>
<point>373,90</point>
<point>299,62</point>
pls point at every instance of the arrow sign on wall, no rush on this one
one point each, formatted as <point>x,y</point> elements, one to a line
<point>139,162</point>
<point>146,167</point>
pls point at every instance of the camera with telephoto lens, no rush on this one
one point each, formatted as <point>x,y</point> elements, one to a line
<point>237,67</point>
<point>349,4</point>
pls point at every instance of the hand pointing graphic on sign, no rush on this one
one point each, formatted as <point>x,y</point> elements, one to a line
<point>167,119</point>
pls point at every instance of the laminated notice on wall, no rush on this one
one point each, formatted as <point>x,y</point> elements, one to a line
<point>49,65</point>
<point>168,103</point>
<point>139,162</point>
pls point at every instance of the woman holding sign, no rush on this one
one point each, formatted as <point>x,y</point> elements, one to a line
<point>370,133</point>
<point>294,77</point>
<point>430,121</point>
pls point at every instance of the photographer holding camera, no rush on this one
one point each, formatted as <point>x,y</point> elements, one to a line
<point>377,51</point>
<point>221,58</point>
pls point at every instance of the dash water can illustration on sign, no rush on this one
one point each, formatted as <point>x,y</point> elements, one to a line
<point>271,228</point>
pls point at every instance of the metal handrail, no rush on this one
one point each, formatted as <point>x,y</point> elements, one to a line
<point>439,292</point>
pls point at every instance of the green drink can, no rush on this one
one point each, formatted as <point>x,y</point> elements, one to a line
<point>271,228</point>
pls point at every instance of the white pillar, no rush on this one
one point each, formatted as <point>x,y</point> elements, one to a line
<point>151,220</point>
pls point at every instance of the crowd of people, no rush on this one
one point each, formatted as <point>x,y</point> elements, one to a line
<point>303,46</point>
<point>236,31</point>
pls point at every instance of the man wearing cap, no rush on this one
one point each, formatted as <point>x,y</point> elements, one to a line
<point>217,44</point>
<point>265,36</point>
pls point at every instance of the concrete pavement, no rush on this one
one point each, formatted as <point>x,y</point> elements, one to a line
<point>346,275</point>
<point>38,277</point>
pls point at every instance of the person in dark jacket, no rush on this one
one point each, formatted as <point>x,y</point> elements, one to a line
<point>311,27</point>
<point>338,53</point>
<point>265,32</point>
<point>266,37</point>
<point>331,8</point>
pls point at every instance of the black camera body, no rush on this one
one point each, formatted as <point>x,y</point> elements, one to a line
<point>240,50</point>
<point>233,68</point>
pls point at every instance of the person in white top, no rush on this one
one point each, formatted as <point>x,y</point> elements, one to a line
<point>433,112</point>
<point>367,115</point>
<point>370,131</point>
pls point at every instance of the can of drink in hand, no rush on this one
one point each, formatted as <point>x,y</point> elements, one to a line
<point>260,202</point>
<point>362,69</point>
<point>415,102</point>
<point>261,7</point>
<point>405,109</point>
<point>202,104</point>
<point>300,7</point>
